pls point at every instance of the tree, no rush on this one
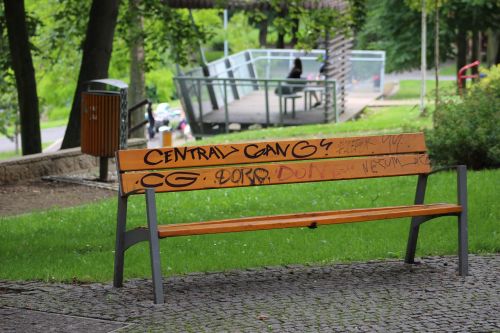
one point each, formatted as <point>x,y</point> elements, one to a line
<point>469,18</point>
<point>97,49</point>
<point>8,95</point>
<point>394,26</point>
<point>22,64</point>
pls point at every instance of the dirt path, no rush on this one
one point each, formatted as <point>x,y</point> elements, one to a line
<point>42,195</point>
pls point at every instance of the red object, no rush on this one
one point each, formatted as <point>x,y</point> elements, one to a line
<point>461,76</point>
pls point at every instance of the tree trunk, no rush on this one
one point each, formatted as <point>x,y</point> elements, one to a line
<point>461,50</point>
<point>475,51</point>
<point>280,42</point>
<point>137,88</point>
<point>492,47</point>
<point>497,59</point>
<point>97,50</point>
<point>263,25</point>
<point>295,31</point>
<point>22,64</point>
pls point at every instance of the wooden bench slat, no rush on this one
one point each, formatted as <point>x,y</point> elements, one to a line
<point>306,220</point>
<point>276,173</point>
<point>273,151</point>
<point>295,215</point>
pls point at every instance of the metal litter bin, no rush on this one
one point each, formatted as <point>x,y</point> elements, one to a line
<point>104,120</point>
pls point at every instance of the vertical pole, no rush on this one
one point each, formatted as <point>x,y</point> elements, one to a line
<point>103,169</point>
<point>423,56</point>
<point>123,119</point>
<point>200,107</point>
<point>267,103</point>
<point>436,51</point>
<point>121,225</point>
<point>268,67</point>
<point>154,247</point>
<point>463,254</point>
<point>334,102</point>
<point>415,224</point>
<point>226,46</point>
<point>226,111</point>
<point>328,67</point>
<point>382,74</point>
<point>281,102</point>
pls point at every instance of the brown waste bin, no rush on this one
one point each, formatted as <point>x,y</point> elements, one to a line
<point>104,120</point>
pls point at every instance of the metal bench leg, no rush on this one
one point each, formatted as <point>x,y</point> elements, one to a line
<point>411,248</point>
<point>415,222</point>
<point>154,248</point>
<point>121,225</point>
<point>463,254</point>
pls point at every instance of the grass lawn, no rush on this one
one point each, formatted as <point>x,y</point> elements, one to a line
<point>8,154</point>
<point>373,120</point>
<point>448,69</point>
<point>43,125</point>
<point>77,244</point>
<point>410,89</point>
<point>11,154</point>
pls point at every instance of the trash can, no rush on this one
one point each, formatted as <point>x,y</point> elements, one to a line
<point>104,120</point>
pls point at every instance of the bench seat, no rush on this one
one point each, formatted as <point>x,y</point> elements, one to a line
<point>311,220</point>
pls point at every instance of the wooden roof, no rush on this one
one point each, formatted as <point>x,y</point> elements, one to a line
<point>251,4</point>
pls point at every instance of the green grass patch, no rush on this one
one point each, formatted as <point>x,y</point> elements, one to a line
<point>78,243</point>
<point>53,123</point>
<point>448,70</point>
<point>11,154</point>
<point>8,154</point>
<point>410,89</point>
<point>43,125</point>
<point>372,121</point>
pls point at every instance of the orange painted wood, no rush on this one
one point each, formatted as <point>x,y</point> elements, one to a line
<point>293,215</point>
<point>271,151</point>
<point>305,220</point>
<point>276,173</point>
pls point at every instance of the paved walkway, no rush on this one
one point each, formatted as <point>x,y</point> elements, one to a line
<point>383,296</point>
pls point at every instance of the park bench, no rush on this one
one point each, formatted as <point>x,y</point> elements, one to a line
<point>153,171</point>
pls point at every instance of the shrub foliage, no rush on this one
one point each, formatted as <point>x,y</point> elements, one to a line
<point>467,131</point>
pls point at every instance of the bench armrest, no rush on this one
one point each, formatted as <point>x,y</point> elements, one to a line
<point>461,182</point>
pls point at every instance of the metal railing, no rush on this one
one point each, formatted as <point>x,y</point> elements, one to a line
<point>220,83</point>
<point>150,120</point>
<point>367,67</point>
<point>200,94</point>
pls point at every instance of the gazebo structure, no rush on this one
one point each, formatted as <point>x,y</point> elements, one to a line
<point>204,83</point>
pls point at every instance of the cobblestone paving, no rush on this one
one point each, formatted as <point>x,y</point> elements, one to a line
<point>382,296</point>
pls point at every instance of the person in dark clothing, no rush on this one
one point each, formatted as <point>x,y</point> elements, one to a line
<point>295,73</point>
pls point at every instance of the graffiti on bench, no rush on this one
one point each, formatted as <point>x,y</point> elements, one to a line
<point>277,173</point>
<point>177,157</point>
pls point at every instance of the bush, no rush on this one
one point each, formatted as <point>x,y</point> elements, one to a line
<point>467,131</point>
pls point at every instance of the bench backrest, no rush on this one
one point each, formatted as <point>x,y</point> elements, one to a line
<point>271,162</point>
